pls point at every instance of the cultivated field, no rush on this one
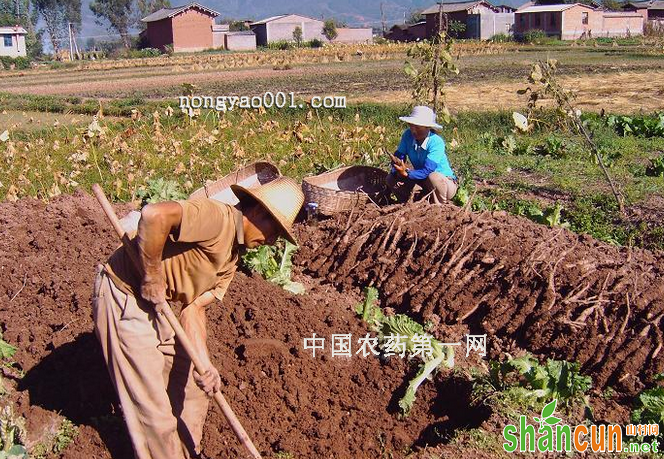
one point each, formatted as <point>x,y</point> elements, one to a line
<point>535,252</point>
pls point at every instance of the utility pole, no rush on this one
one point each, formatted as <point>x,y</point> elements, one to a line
<point>71,45</point>
<point>382,17</point>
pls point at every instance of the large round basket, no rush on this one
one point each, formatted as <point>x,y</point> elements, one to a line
<point>342,189</point>
<point>253,175</point>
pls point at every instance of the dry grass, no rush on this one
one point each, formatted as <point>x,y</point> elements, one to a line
<point>624,92</point>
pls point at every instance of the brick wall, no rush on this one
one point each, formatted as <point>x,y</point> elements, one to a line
<point>620,25</point>
<point>348,35</point>
<point>492,24</point>
<point>160,33</point>
<point>192,31</point>
<point>573,26</point>
<point>240,42</point>
<point>600,24</point>
<point>282,29</point>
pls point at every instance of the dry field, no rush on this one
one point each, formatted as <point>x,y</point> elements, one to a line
<point>620,82</point>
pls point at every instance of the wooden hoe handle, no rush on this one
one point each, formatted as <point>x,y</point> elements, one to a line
<point>175,324</point>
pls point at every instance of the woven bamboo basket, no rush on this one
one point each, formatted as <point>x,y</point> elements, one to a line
<point>342,189</point>
<point>253,175</point>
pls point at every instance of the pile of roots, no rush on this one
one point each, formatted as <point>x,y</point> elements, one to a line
<point>548,290</point>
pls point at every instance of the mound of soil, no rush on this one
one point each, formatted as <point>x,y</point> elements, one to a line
<point>548,290</point>
<point>286,399</point>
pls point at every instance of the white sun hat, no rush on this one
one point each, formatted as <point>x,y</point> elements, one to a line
<point>422,116</point>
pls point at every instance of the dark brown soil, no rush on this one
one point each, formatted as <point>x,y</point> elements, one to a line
<point>286,399</point>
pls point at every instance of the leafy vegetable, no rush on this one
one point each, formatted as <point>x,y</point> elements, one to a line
<point>656,168</point>
<point>159,190</point>
<point>368,309</point>
<point>12,434</point>
<point>7,351</point>
<point>556,379</point>
<point>643,126</point>
<point>275,264</point>
<point>408,329</point>
<point>649,407</point>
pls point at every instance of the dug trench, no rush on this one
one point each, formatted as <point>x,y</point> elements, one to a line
<point>288,401</point>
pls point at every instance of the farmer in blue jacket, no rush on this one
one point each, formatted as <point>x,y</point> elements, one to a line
<point>426,151</point>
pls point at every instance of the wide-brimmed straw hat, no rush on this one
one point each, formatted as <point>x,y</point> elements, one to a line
<point>422,116</point>
<point>282,198</point>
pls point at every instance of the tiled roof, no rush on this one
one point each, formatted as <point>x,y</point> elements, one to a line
<point>170,12</point>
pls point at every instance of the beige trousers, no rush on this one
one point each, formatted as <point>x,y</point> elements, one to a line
<point>163,407</point>
<point>444,188</point>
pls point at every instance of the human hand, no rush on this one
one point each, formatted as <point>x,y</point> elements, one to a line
<point>209,382</point>
<point>400,166</point>
<point>153,288</point>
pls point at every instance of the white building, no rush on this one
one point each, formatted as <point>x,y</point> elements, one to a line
<point>12,41</point>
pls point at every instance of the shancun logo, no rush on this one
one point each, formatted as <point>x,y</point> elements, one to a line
<point>552,436</point>
<point>526,437</point>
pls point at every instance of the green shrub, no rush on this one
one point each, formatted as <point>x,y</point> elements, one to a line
<point>19,63</point>
<point>315,43</point>
<point>281,45</point>
<point>500,38</point>
<point>141,53</point>
<point>534,36</point>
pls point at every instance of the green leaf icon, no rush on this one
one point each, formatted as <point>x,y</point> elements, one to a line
<point>552,420</point>
<point>536,419</point>
<point>548,410</point>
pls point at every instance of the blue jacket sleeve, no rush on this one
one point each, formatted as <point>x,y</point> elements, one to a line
<point>435,157</point>
<point>419,174</point>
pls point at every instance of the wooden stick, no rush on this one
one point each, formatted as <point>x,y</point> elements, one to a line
<point>175,324</point>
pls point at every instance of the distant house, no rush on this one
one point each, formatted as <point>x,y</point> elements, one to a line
<point>277,28</point>
<point>573,21</point>
<point>482,19</point>
<point>186,28</point>
<point>652,10</point>
<point>408,32</point>
<point>12,41</point>
<point>191,28</point>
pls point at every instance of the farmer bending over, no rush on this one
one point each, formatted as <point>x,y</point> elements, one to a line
<point>426,151</point>
<point>188,251</point>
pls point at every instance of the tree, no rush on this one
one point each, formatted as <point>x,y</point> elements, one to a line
<point>330,29</point>
<point>415,17</point>
<point>613,5</point>
<point>297,36</point>
<point>147,7</point>
<point>238,26</point>
<point>118,15</point>
<point>54,14</point>
<point>57,15</point>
